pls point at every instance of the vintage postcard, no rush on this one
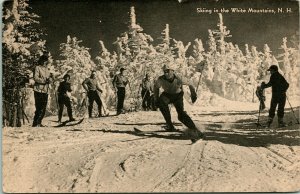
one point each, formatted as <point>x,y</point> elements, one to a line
<point>150,96</point>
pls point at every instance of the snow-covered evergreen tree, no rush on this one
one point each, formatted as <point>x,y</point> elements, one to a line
<point>295,63</point>
<point>218,57</point>
<point>22,46</point>
<point>136,53</point>
<point>251,72</point>
<point>76,61</point>
<point>212,45</point>
<point>267,60</point>
<point>105,65</point>
<point>288,67</point>
<point>198,50</point>
<point>222,33</point>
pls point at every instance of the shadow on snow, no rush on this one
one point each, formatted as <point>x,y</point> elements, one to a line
<point>243,132</point>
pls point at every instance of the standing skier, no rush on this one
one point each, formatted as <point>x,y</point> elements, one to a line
<point>279,87</point>
<point>173,94</point>
<point>91,86</point>
<point>119,83</point>
<point>146,92</point>
<point>42,78</point>
<point>260,93</point>
<point>63,91</point>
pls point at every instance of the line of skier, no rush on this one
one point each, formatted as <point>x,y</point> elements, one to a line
<point>169,81</point>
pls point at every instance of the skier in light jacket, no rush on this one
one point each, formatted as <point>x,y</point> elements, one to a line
<point>42,79</point>
<point>173,94</point>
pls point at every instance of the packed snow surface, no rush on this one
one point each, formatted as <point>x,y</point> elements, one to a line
<point>106,155</point>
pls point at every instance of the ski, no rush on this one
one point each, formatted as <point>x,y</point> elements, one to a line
<point>276,128</point>
<point>193,140</point>
<point>136,130</point>
<point>287,125</point>
<point>199,137</point>
<point>70,123</point>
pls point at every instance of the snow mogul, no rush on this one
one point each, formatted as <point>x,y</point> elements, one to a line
<point>173,94</point>
<point>91,86</point>
<point>64,98</point>
<point>279,87</point>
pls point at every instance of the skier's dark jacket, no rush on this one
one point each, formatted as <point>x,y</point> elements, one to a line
<point>278,83</point>
<point>63,88</point>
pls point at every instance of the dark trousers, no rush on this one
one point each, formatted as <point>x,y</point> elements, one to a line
<point>41,100</point>
<point>280,100</point>
<point>93,96</point>
<point>177,100</point>
<point>64,101</point>
<point>146,100</point>
<point>121,98</point>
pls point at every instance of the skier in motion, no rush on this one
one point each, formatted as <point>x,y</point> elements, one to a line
<point>279,87</point>
<point>173,94</point>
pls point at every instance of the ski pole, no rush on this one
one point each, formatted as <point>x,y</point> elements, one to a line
<point>144,97</point>
<point>258,124</point>
<point>293,111</point>
<point>198,82</point>
<point>201,71</point>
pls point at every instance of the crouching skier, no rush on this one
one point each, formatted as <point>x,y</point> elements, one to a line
<point>63,91</point>
<point>173,94</point>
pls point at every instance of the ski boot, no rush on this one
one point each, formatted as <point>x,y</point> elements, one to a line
<point>194,134</point>
<point>72,119</point>
<point>270,120</point>
<point>281,123</point>
<point>170,128</point>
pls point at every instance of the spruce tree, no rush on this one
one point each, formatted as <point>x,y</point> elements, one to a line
<point>136,54</point>
<point>22,46</point>
<point>75,60</point>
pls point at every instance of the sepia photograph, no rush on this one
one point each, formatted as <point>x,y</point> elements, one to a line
<point>137,96</point>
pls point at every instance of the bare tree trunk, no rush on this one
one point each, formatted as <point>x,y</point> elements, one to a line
<point>14,124</point>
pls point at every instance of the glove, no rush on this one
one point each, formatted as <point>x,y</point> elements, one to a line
<point>68,94</point>
<point>47,81</point>
<point>193,97</point>
<point>193,94</point>
<point>262,86</point>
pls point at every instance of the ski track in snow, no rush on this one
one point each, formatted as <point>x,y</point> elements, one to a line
<point>106,155</point>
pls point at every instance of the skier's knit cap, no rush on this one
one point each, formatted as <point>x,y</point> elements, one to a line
<point>273,67</point>
<point>67,75</point>
<point>122,69</point>
<point>169,66</point>
<point>43,59</point>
